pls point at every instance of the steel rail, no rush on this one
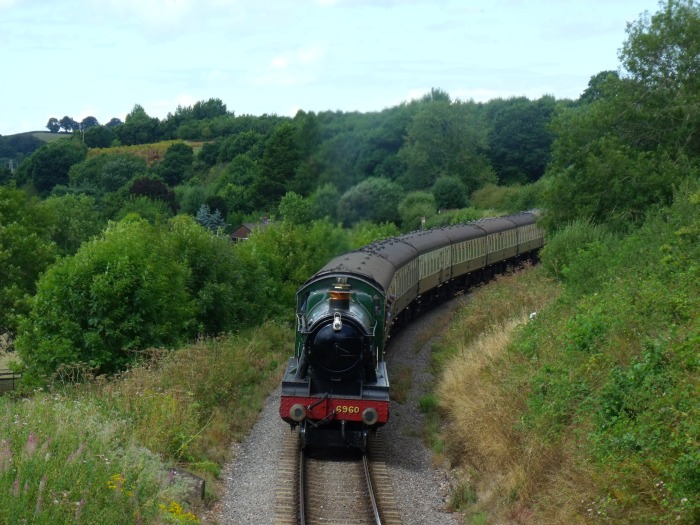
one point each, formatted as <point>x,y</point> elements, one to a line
<point>302,488</point>
<point>375,508</point>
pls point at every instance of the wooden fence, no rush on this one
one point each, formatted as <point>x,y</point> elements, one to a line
<point>8,380</point>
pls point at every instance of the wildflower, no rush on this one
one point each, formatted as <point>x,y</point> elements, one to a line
<point>115,482</point>
<point>40,498</point>
<point>5,454</point>
<point>76,453</point>
<point>30,447</point>
<point>15,488</point>
<point>78,507</point>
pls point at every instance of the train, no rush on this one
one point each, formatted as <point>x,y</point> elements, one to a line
<point>335,387</point>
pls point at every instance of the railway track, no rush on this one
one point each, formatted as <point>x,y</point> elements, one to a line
<point>334,487</point>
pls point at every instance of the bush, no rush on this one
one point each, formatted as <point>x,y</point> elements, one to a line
<point>119,293</point>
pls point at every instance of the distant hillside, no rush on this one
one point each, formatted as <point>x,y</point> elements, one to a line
<point>47,136</point>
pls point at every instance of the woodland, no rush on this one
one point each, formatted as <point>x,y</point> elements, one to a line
<point>124,302</point>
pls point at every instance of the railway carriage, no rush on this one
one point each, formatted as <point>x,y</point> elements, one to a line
<point>336,387</point>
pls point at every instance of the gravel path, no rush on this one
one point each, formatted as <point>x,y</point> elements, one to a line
<point>421,491</point>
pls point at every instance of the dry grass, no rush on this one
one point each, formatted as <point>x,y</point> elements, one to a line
<point>499,469</point>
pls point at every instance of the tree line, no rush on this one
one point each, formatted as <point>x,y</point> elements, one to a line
<point>607,157</point>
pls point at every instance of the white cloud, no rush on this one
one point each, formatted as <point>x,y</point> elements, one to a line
<point>294,67</point>
<point>6,4</point>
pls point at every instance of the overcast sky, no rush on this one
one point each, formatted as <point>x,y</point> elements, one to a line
<point>101,57</point>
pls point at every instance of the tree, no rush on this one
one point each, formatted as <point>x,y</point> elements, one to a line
<point>118,294</point>
<point>26,250</point>
<point>250,143</point>
<point>68,124</point>
<point>324,202</point>
<point>99,137</point>
<point>88,122</point>
<point>114,122</point>
<point>106,173</point>
<point>445,139</point>
<point>176,165</point>
<point>277,166</point>
<point>598,86</point>
<point>449,193</point>
<point>519,141</point>
<point>53,125</point>
<point>210,219</point>
<point>374,199</point>
<point>415,207</point>
<point>624,151</point>
<point>295,209</point>
<point>662,56</point>
<point>49,165</point>
<point>155,190</point>
<point>209,109</point>
<point>73,220</point>
<point>138,128</point>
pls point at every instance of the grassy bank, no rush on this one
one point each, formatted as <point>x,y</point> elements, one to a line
<point>587,412</point>
<point>99,451</point>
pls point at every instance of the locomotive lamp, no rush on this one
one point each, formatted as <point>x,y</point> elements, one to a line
<point>369,416</point>
<point>297,413</point>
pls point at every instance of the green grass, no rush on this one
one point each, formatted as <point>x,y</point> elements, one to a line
<point>98,452</point>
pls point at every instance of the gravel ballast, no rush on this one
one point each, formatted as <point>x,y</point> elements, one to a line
<point>421,491</point>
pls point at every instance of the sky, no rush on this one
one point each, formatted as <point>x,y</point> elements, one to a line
<point>100,58</point>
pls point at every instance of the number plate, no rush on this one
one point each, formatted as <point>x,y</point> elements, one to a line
<point>347,409</point>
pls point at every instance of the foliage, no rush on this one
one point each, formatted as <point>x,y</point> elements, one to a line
<point>190,197</point>
<point>72,220</point>
<point>596,397</point>
<point>509,199</point>
<point>519,141</point>
<point>295,209</point>
<point>633,137</point>
<point>118,294</point>
<point>176,165</point>
<point>110,465</point>
<point>26,250</point>
<point>283,255</point>
<point>324,202</point>
<point>53,125</point>
<point>572,242</point>
<point>445,139</point>
<point>138,128</point>
<point>50,164</point>
<point>99,137</point>
<point>154,211</point>
<point>449,193</point>
<point>373,199</point>
<point>221,284</point>
<point>415,208</point>
<point>364,233</point>
<point>277,166</point>
<point>106,173</point>
<point>451,217</point>
<point>155,190</point>
<point>210,220</point>
<point>69,124</point>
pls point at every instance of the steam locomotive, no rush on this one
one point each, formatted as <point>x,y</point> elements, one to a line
<point>336,387</point>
